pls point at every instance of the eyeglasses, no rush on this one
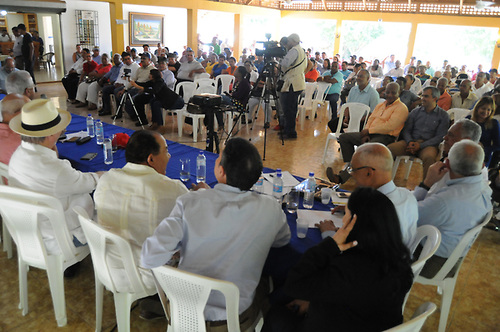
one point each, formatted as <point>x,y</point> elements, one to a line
<point>351,170</point>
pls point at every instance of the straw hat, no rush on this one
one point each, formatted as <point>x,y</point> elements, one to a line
<point>40,118</point>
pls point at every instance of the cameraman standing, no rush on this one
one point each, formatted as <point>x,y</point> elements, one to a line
<point>293,66</point>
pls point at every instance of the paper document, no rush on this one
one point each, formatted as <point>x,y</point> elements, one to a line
<point>78,134</point>
<point>288,179</point>
<point>314,216</point>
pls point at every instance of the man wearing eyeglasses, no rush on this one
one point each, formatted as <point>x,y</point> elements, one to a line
<point>371,166</point>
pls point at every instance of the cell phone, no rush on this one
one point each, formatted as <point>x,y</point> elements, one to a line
<point>82,140</point>
<point>343,195</point>
<point>89,156</point>
<point>73,139</point>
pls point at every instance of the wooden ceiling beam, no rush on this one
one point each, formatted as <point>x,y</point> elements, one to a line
<point>324,4</point>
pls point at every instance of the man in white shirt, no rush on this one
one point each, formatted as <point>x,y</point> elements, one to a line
<point>140,77</point>
<point>396,71</point>
<point>122,82</point>
<point>36,166</point>
<point>167,75</point>
<point>72,79</point>
<point>371,166</point>
<point>479,88</point>
<point>225,232</point>
<point>131,201</point>
<point>465,98</point>
<point>189,67</point>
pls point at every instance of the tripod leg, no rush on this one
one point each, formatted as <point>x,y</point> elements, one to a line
<point>135,109</point>
<point>119,110</point>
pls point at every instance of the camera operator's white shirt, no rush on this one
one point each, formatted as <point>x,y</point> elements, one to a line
<point>295,76</point>
<point>122,80</point>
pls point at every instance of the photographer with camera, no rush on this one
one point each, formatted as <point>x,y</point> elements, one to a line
<point>129,68</point>
<point>293,66</point>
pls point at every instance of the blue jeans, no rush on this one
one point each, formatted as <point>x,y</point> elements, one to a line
<point>333,99</point>
<point>289,104</point>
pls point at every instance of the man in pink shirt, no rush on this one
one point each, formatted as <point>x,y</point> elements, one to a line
<point>9,140</point>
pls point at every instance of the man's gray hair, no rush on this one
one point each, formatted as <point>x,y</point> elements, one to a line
<point>443,79</point>
<point>470,130</point>
<point>33,140</point>
<point>466,158</point>
<point>434,91</point>
<point>18,82</point>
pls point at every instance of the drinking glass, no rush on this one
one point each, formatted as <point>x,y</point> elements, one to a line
<point>185,167</point>
<point>326,194</point>
<point>302,227</point>
<point>292,201</point>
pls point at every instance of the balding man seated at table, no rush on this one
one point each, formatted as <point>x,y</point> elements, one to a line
<point>458,206</point>
<point>224,233</point>
<point>21,82</point>
<point>9,141</point>
<point>371,166</point>
<point>383,126</point>
<point>8,67</point>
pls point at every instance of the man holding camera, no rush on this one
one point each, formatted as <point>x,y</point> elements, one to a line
<point>293,66</point>
<point>129,67</point>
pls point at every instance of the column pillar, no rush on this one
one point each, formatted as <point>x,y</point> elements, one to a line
<point>116,13</point>
<point>338,35</point>
<point>237,36</point>
<point>411,43</point>
<point>192,29</point>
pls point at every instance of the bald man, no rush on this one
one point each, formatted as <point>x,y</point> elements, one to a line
<point>371,166</point>
<point>9,141</point>
<point>465,98</point>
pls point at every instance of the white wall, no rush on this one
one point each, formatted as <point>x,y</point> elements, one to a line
<point>174,25</point>
<point>68,27</point>
<point>13,20</point>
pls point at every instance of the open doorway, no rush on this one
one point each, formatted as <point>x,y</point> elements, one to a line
<point>50,67</point>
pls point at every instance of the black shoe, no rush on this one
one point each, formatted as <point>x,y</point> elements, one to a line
<point>117,116</point>
<point>287,136</point>
<point>71,271</point>
<point>149,315</point>
<point>335,178</point>
<point>103,113</point>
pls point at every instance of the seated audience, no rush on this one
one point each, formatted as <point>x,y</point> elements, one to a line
<point>135,57</point>
<point>313,74</point>
<point>20,82</point>
<point>407,97</point>
<point>412,84</point>
<point>219,67</point>
<point>232,67</point>
<point>9,141</point>
<point>490,131</point>
<point>344,71</point>
<point>397,71</point>
<point>480,87</point>
<point>376,70</point>
<point>423,131</point>
<point>381,89</point>
<point>356,280</point>
<point>389,65</point>
<point>383,126</point>
<point>131,201</point>
<point>465,98</point>
<point>93,76</point>
<point>8,67</point>
<point>78,53</point>
<point>189,68</point>
<point>239,255</point>
<point>444,100</point>
<point>35,166</point>
<point>152,57</point>
<point>459,205</point>
<point>252,70</point>
<point>411,64</point>
<point>107,79</point>
<point>166,74</point>
<point>422,76</point>
<point>335,77</point>
<point>173,64</point>
<point>96,57</point>
<point>349,83</point>
<point>72,79</point>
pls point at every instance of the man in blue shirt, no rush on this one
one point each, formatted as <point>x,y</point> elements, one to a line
<point>345,72</point>
<point>334,77</point>
<point>108,79</point>
<point>457,207</point>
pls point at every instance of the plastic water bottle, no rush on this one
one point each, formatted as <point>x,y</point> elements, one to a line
<point>278,186</point>
<point>99,131</point>
<point>259,185</point>
<point>309,192</point>
<point>90,126</point>
<point>201,168</point>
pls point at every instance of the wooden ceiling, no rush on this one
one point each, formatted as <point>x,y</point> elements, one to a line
<point>441,7</point>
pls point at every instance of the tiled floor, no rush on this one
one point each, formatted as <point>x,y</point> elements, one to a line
<point>475,305</point>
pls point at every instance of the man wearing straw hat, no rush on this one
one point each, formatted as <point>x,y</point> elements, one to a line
<point>35,166</point>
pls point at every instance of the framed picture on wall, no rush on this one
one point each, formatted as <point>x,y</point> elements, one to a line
<point>145,29</point>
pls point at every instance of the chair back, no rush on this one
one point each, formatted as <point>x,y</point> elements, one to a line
<point>458,113</point>
<point>188,294</point>
<point>186,90</point>
<point>4,174</point>
<point>321,91</point>
<point>201,75</point>
<point>462,249</point>
<point>98,240</point>
<point>307,101</point>
<point>21,210</point>
<point>205,85</point>
<point>374,81</point>
<point>418,319</point>
<point>356,113</point>
<point>225,81</point>
<point>204,82</point>
<point>432,242</point>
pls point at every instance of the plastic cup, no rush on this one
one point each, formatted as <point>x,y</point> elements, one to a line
<point>185,169</point>
<point>326,194</point>
<point>108,151</point>
<point>292,201</point>
<point>302,227</point>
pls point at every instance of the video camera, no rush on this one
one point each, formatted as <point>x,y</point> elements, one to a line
<point>126,72</point>
<point>271,49</point>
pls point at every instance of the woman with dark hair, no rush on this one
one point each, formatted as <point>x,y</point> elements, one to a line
<point>360,289</point>
<point>326,64</point>
<point>490,137</point>
<point>155,91</point>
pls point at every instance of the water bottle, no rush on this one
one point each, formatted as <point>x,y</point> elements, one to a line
<point>259,185</point>
<point>90,126</point>
<point>278,186</point>
<point>99,131</point>
<point>309,192</point>
<point>201,168</point>
<point>108,151</point>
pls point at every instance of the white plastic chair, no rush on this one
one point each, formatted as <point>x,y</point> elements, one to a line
<point>99,239</point>
<point>458,113</point>
<point>432,237</point>
<point>21,210</point>
<point>225,82</point>
<point>356,113</point>
<point>7,239</point>
<point>319,98</point>
<point>188,294</point>
<point>186,90</point>
<point>408,160</point>
<point>374,81</point>
<point>447,284</point>
<point>417,320</point>
<point>205,85</point>
<point>306,103</point>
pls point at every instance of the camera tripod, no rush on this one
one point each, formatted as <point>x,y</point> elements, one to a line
<point>123,100</point>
